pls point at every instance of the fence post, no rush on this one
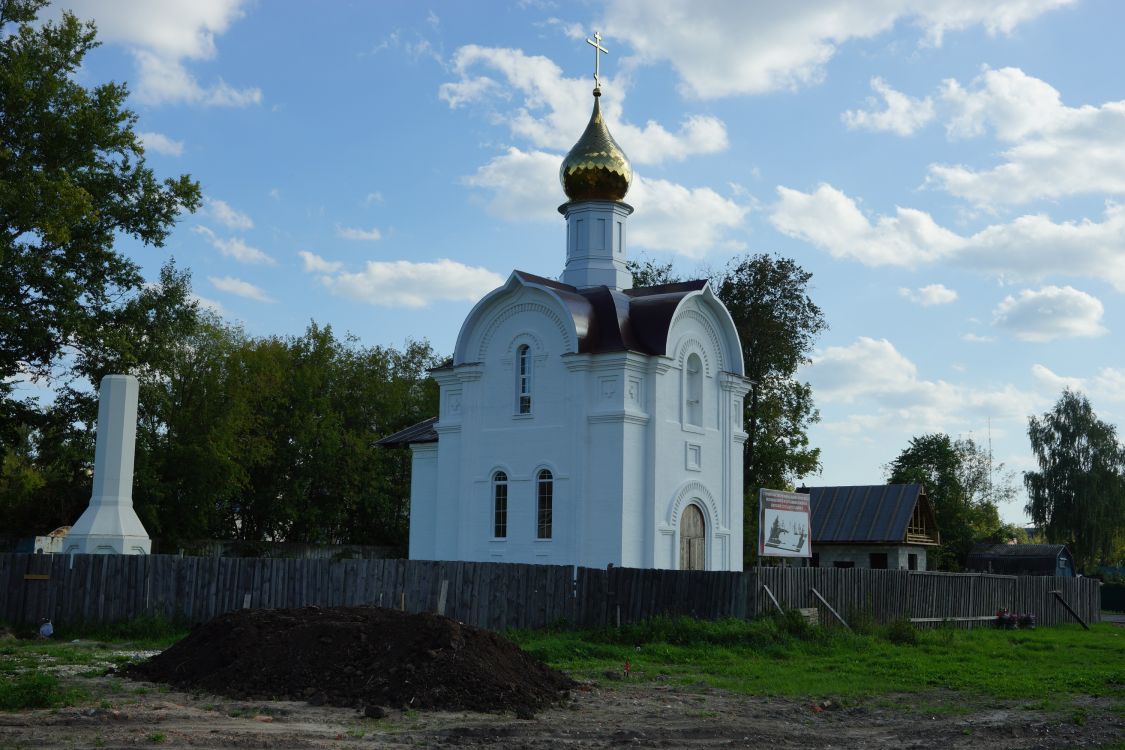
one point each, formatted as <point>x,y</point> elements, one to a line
<point>826,604</point>
<point>1075,615</point>
<point>772,598</point>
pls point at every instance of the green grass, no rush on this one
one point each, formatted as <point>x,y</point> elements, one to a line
<point>36,690</point>
<point>142,632</point>
<point>783,656</point>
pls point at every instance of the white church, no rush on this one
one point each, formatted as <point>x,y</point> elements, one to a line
<point>585,421</point>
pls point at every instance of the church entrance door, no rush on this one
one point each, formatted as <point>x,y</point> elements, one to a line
<point>693,544</point>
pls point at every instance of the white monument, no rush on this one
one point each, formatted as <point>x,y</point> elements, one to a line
<point>586,421</point>
<point>110,526</point>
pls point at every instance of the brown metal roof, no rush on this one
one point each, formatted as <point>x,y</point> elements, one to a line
<point>606,320</point>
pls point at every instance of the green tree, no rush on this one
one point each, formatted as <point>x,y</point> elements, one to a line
<point>272,438</point>
<point>647,272</point>
<point>964,487</point>
<point>72,178</point>
<point>1078,495</point>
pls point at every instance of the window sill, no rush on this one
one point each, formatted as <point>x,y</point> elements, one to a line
<point>522,416</point>
<point>693,428</point>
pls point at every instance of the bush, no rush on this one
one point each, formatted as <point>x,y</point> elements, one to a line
<point>901,632</point>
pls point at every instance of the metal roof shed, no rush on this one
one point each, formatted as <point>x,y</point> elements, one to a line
<point>1022,559</point>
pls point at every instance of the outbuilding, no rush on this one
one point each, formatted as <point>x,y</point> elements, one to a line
<point>1022,559</point>
<point>881,526</point>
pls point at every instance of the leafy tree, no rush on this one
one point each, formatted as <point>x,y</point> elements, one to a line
<point>1078,495</point>
<point>273,438</point>
<point>964,488</point>
<point>72,178</point>
<point>647,272</point>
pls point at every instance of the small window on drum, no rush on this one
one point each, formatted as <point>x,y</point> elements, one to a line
<point>523,380</point>
<point>500,505</point>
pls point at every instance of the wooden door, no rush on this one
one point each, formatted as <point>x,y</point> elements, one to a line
<point>693,542</point>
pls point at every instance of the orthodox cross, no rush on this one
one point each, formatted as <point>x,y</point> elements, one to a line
<point>596,43</point>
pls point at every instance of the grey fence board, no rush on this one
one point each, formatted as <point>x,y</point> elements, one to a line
<point>107,588</point>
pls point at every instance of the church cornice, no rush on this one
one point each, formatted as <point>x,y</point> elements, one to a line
<point>613,417</point>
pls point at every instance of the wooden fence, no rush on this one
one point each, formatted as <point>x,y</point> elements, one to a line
<point>72,589</point>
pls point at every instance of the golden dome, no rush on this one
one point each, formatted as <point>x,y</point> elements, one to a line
<point>596,169</point>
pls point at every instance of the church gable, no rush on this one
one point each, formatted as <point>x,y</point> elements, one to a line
<point>515,309</point>
<point>702,323</point>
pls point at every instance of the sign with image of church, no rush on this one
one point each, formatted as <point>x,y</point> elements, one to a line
<point>585,421</point>
<point>783,524</point>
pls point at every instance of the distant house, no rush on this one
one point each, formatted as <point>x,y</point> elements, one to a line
<point>882,526</point>
<point>1022,559</point>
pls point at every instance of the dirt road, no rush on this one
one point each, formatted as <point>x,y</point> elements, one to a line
<point>622,714</point>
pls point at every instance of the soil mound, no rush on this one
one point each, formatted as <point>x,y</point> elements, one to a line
<point>357,657</point>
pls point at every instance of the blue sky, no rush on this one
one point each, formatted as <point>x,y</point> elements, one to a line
<point>950,171</point>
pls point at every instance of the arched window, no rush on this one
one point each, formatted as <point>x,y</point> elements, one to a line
<point>693,391</point>
<point>545,490</point>
<point>500,505</point>
<point>523,379</point>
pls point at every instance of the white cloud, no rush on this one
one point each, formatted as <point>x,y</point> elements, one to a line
<point>902,115</point>
<point>374,197</point>
<point>830,219</point>
<point>1057,150</point>
<point>733,47</point>
<point>974,338</point>
<point>161,143</point>
<point>316,264</point>
<point>163,34</point>
<point>354,233</point>
<point>228,216</point>
<point>1050,313</point>
<point>235,248</point>
<point>1056,382</point>
<point>554,109</point>
<point>240,288</point>
<point>516,180</point>
<point>1028,248</point>
<point>688,221</point>
<point>415,49</point>
<point>402,283</point>
<point>927,296</point>
<point>882,389</point>
<point>1108,384</point>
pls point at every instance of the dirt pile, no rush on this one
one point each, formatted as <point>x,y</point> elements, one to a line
<point>357,657</point>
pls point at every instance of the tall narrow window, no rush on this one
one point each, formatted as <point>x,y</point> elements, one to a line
<point>500,505</point>
<point>546,493</point>
<point>693,391</point>
<point>523,385</point>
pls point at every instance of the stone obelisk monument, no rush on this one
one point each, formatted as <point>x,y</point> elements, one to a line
<point>110,526</point>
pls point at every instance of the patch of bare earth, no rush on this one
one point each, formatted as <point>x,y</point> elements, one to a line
<point>124,713</point>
